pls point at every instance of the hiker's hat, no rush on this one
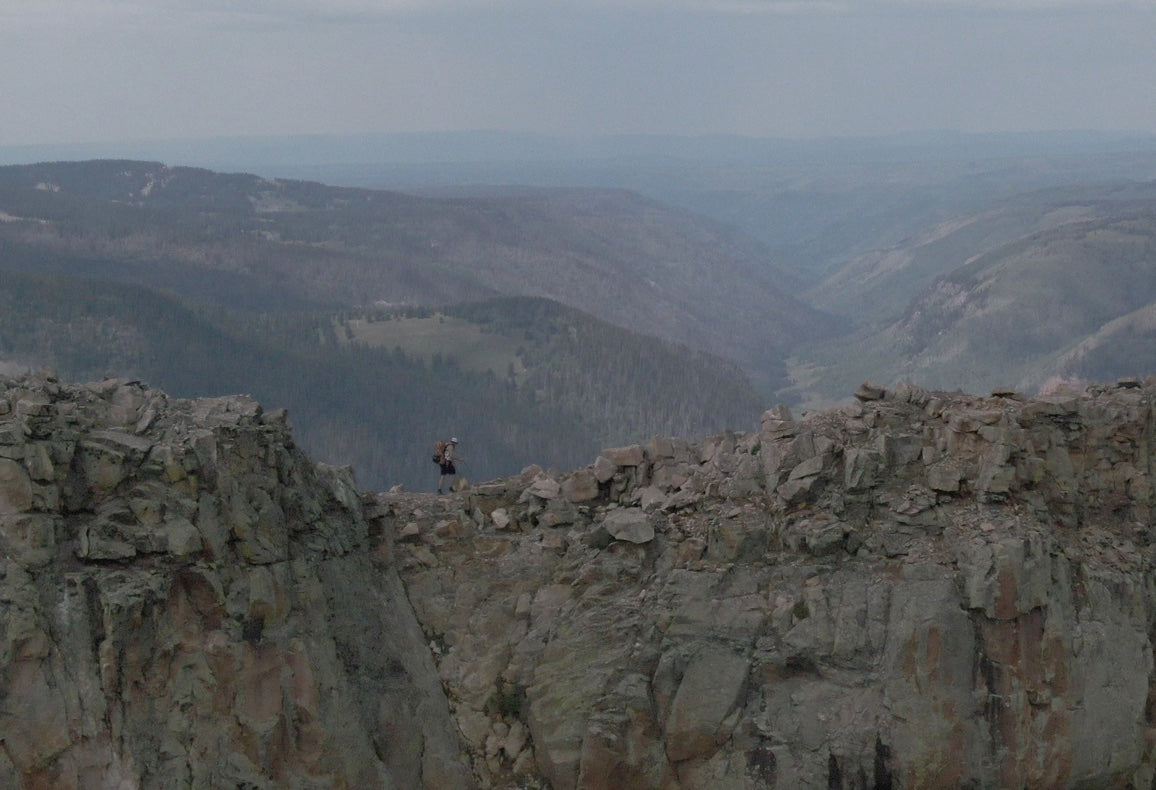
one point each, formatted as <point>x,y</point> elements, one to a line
<point>454,440</point>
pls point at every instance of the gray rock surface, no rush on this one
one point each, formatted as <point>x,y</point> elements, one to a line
<point>189,602</point>
<point>917,590</point>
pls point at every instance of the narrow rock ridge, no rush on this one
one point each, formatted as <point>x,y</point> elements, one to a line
<point>921,589</point>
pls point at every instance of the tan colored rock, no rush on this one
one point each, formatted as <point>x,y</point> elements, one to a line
<point>631,455</point>
<point>181,538</point>
<point>603,469</point>
<point>34,718</point>
<point>778,423</point>
<point>709,691</point>
<point>666,476</point>
<point>514,741</point>
<point>581,486</point>
<point>650,498</point>
<point>15,488</point>
<point>630,524</point>
<point>544,488</point>
<point>38,462</point>
<point>808,468</point>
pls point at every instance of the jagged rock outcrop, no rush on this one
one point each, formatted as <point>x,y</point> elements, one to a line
<point>189,602</point>
<point>918,590</point>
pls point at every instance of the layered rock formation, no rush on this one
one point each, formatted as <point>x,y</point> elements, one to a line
<point>919,590</point>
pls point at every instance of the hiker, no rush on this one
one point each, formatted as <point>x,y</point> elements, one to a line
<point>446,458</point>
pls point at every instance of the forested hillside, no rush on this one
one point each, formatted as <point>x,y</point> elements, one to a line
<point>584,384</point>
<point>619,385</point>
<point>205,283</point>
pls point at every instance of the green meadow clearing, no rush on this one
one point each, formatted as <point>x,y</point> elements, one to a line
<point>471,346</point>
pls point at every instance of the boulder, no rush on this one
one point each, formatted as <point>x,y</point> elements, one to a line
<point>603,469</point>
<point>870,392</point>
<point>581,486</point>
<point>544,488</point>
<point>631,455</point>
<point>501,518</point>
<point>699,719</point>
<point>629,524</point>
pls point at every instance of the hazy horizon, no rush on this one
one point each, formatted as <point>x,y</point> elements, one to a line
<point>119,71</point>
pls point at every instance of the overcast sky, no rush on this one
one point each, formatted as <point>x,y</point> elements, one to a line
<point>106,70</point>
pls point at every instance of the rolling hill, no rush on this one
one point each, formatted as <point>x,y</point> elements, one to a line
<point>1071,300</point>
<point>877,286</point>
<point>253,243</point>
<point>1127,343</point>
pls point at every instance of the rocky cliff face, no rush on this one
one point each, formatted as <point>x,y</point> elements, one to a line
<point>920,590</point>
<point>189,602</point>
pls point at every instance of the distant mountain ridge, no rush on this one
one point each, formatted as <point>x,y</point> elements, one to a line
<point>1013,288</point>
<point>881,283</point>
<point>622,258</point>
<point>496,146</point>
<point>1058,284</point>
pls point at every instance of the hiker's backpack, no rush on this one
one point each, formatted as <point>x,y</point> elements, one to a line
<point>439,451</point>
